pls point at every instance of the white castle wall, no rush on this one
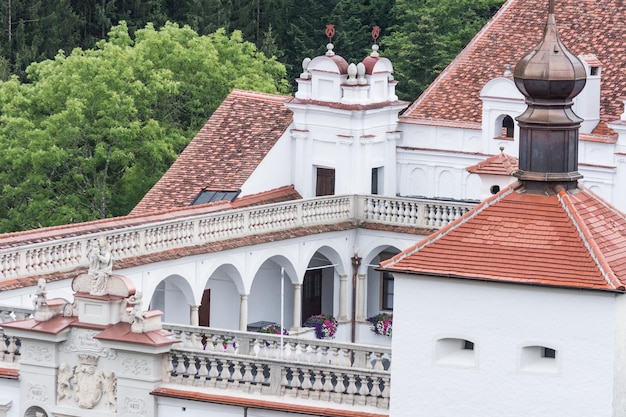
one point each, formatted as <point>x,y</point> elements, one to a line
<point>502,319</point>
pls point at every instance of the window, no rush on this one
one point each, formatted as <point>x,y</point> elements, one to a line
<point>549,353</point>
<point>387,291</point>
<point>210,196</point>
<point>325,184</point>
<point>507,127</point>
<point>377,180</point>
<point>495,189</point>
<point>455,352</point>
<point>539,359</point>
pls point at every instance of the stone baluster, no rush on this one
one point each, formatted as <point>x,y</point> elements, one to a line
<point>340,389</point>
<point>317,384</point>
<point>372,399</point>
<point>213,372</point>
<point>237,376</point>
<point>306,382</point>
<point>203,371</point>
<point>363,391</point>
<point>181,370</point>
<point>247,375</point>
<point>384,403</point>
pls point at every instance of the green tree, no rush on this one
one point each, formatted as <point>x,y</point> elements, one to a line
<point>428,34</point>
<point>92,131</point>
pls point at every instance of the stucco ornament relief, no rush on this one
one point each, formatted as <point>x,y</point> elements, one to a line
<point>135,366</point>
<point>134,405</point>
<point>85,385</point>
<point>37,392</point>
<point>82,341</point>
<point>38,353</point>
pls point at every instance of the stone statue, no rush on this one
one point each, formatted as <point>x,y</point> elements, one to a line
<point>100,267</point>
<point>64,385</point>
<point>135,301</point>
<point>110,389</point>
<point>41,299</point>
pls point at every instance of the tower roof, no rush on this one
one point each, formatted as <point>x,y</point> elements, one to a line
<point>566,239</point>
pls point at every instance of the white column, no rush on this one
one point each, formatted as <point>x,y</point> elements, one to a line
<point>243,312</point>
<point>343,298</point>
<point>297,306</point>
<point>194,319</point>
<point>5,406</point>
<point>360,298</point>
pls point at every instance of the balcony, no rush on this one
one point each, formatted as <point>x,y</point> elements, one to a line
<point>64,249</point>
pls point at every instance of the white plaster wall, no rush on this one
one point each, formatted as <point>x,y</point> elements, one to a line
<point>10,391</point>
<point>224,303</point>
<point>501,319</point>
<point>275,170</point>
<point>264,302</point>
<point>436,174</point>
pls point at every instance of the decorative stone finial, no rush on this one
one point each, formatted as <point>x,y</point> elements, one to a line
<point>330,32</point>
<point>352,71</point>
<point>375,35</point>
<point>305,68</point>
<point>501,149</point>
<point>507,70</point>
<point>360,70</point>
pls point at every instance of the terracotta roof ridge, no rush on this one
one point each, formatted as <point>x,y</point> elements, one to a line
<point>258,95</point>
<point>452,225</point>
<point>261,404</point>
<point>459,57</point>
<point>589,241</point>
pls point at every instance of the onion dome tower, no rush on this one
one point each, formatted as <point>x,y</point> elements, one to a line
<point>549,77</point>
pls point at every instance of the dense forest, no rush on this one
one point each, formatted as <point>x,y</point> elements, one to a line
<point>420,36</point>
<point>98,97</point>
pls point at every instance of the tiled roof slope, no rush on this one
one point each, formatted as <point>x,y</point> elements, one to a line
<point>224,153</point>
<point>566,239</point>
<point>500,164</point>
<point>586,27</point>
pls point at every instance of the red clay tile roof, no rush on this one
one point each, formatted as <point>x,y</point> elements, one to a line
<point>224,153</point>
<point>501,164</point>
<point>53,326</point>
<point>585,27</point>
<point>261,404</point>
<point>121,332</point>
<point>567,239</point>
<point>9,373</point>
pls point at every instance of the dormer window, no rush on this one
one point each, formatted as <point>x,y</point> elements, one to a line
<point>210,196</point>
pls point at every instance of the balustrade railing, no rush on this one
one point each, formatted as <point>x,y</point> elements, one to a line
<point>60,252</point>
<point>265,345</point>
<point>254,375</point>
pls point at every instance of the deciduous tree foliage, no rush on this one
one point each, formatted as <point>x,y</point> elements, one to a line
<point>92,131</point>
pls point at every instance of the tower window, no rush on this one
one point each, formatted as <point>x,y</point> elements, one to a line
<point>549,353</point>
<point>507,127</point>
<point>539,359</point>
<point>455,352</point>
